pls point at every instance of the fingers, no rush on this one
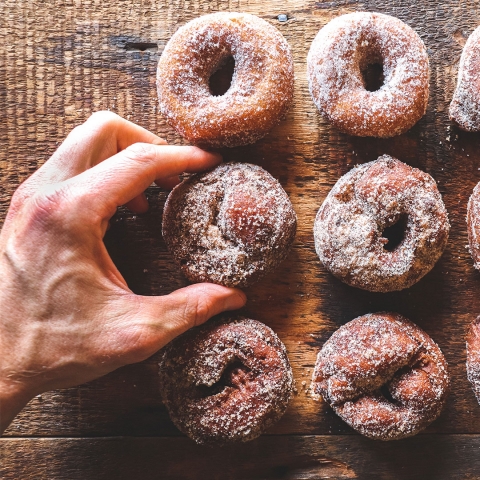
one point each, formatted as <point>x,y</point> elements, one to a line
<point>155,321</point>
<point>104,134</point>
<point>124,176</point>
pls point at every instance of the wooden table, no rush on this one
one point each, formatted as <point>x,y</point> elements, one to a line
<point>62,60</point>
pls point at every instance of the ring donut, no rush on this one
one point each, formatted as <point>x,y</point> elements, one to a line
<point>465,106</point>
<point>338,58</point>
<point>382,375</point>
<point>226,381</point>
<point>261,89</point>
<point>351,226</point>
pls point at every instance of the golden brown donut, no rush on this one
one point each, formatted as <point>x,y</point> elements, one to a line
<point>382,375</point>
<point>226,381</point>
<point>351,225</point>
<point>473,356</point>
<point>465,105</point>
<point>260,92</point>
<point>338,58</point>
<point>229,226</point>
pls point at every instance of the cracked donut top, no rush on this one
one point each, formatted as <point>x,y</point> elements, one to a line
<point>261,88</point>
<point>229,226</point>
<point>226,381</point>
<point>465,106</point>
<point>338,64</point>
<point>367,205</point>
<point>382,375</point>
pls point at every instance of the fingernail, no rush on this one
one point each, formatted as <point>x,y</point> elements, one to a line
<point>237,300</point>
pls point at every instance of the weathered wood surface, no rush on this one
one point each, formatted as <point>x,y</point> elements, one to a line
<point>62,60</point>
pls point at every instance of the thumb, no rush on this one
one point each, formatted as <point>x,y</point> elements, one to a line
<point>158,320</point>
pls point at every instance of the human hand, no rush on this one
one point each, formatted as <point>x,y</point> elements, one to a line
<point>66,314</point>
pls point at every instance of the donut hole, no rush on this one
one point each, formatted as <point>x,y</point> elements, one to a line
<point>385,391</point>
<point>373,76</point>
<point>395,233</point>
<point>221,78</point>
<point>235,375</point>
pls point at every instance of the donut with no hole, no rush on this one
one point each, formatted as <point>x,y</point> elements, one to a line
<point>346,52</point>
<point>226,381</point>
<point>465,106</point>
<point>382,375</point>
<point>374,201</point>
<point>261,87</point>
<point>229,226</point>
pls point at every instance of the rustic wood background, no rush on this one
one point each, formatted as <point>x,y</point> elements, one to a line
<point>62,60</point>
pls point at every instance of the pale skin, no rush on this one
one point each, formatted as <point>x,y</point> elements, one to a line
<point>67,315</point>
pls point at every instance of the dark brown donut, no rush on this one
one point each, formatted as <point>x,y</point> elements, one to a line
<point>465,106</point>
<point>473,225</point>
<point>226,381</point>
<point>343,49</point>
<point>260,92</point>
<point>350,225</point>
<point>382,375</point>
<point>229,226</point>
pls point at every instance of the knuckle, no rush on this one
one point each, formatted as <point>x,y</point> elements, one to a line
<point>101,120</point>
<point>141,152</point>
<point>197,310</point>
<point>50,204</point>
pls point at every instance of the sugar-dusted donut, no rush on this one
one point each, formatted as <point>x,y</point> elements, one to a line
<point>261,89</point>
<point>473,356</point>
<point>382,375</point>
<point>338,58</point>
<point>473,225</point>
<point>351,226</point>
<point>465,106</point>
<point>229,226</point>
<point>226,381</point>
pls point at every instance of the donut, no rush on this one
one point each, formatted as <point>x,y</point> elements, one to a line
<point>465,106</point>
<point>226,381</point>
<point>229,226</point>
<point>473,356</point>
<point>261,88</point>
<point>374,201</point>
<point>473,225</point>
<point>383,376</point>
<point>338,63</point>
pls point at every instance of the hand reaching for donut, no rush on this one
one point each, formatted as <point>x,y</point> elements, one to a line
<point>67,315</point>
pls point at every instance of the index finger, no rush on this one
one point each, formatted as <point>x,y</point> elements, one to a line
<point>125,175</point>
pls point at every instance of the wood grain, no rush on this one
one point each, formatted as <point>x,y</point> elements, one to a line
<point>62,60</point>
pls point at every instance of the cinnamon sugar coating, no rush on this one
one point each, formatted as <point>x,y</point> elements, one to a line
<point>372,197</point>
<point>465,105</point>
<point>229,226</point>
<point>473,225</point>
<point>382,375</point>
<point>226,381</point>
<point>260,92</point>
<point>473,356</point>
<point>339,54</point>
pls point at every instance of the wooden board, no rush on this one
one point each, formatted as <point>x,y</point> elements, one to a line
<point>62,60</point>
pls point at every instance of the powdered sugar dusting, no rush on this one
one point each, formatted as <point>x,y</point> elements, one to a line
<point>473,356</point>
<point>229,226</point>
<point>371,197</point>
<point>335,61</point>
<point>473,225</point>
<point>226,381</point>
<point>465,105</point>
<point>375,354</point>
<point>262,84</point>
